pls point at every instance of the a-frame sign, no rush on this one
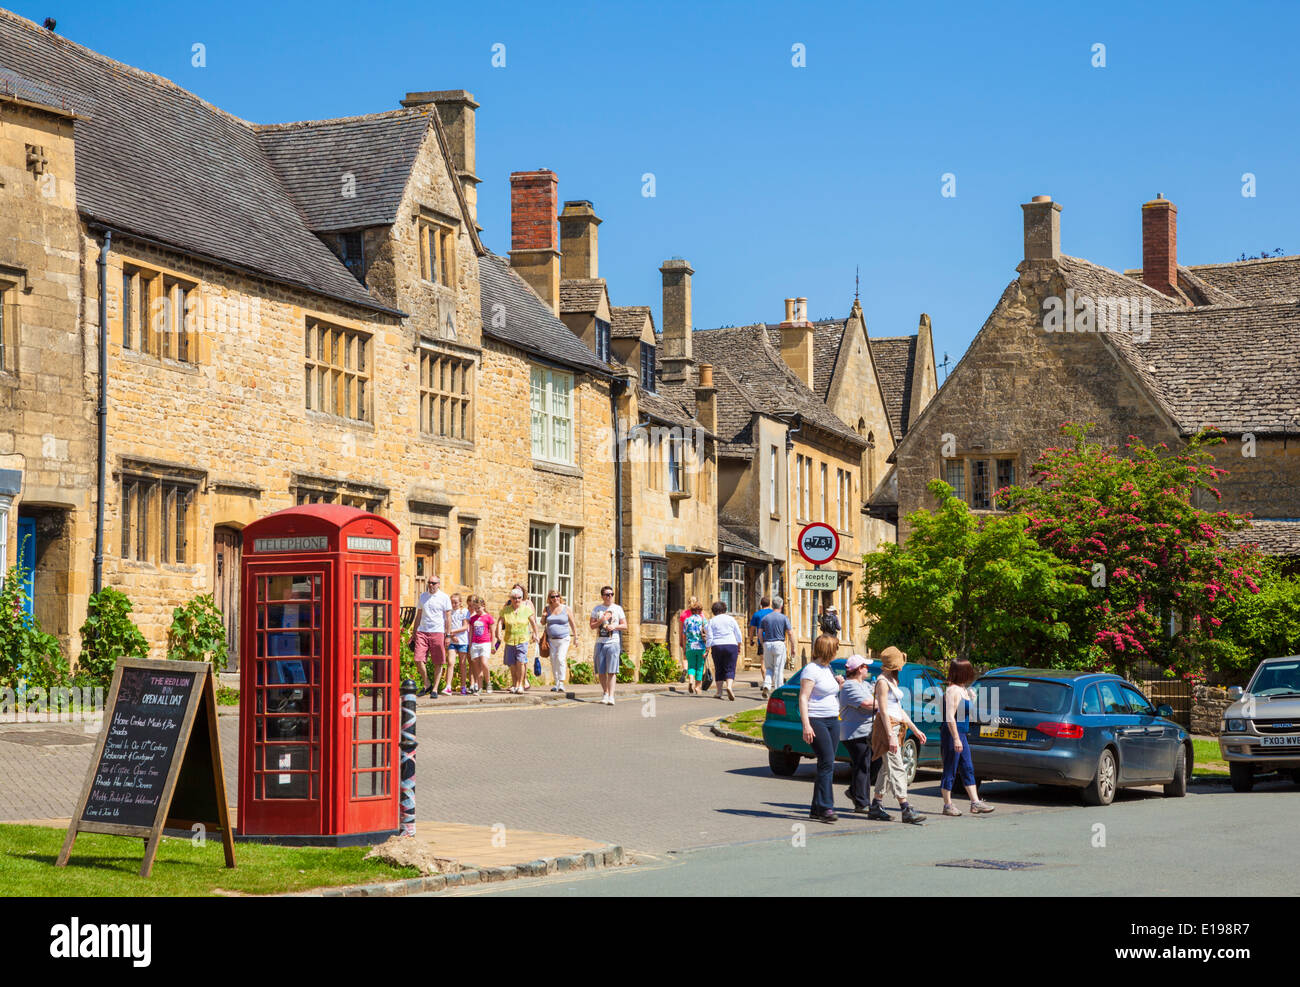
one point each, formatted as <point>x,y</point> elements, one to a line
<point>157,763</point>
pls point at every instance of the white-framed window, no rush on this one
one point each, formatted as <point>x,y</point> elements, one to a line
<point>678,449</point>
<point>824,516</point>
<point>841,499</point>
<point>5,503</point>
<point>771,483</point>
<point>551,404</point>
<point>731,586</point>
<point>550,562</point>
<point>846,612</point>
<point>803,466</point>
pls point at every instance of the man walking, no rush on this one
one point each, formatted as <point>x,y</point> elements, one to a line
<point>430,633</point>
<point>751,632</point>
<point>775,632</point>
<point>608,621</point>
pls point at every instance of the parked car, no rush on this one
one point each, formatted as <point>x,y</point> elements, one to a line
<point>783,730</point>
<point>1261,729</point>
<point>1086,730</point>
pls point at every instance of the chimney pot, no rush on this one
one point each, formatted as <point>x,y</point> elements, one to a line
<point>1160,245</point>
<point>1042,229</point>
<point>706,375</point>
<point>789,310</point>
<point>801,310</point>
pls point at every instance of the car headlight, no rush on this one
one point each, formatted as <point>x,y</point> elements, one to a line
<point>1234,726</point>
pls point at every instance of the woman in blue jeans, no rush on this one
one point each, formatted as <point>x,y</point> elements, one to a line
<point>819,708</point>
<point>953,741</point>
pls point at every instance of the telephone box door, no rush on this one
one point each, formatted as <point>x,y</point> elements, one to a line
<point>286,734</point>
<point>368,739</point>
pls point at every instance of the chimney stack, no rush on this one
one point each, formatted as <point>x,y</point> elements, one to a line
<point>1160,245</point>
<point>534,253</point>
<point>797,340</point>
<point>456,112</point>
<point>578,255</point>
<point>678,353</point>
<point>1042,229</point>
<point>706,399</point>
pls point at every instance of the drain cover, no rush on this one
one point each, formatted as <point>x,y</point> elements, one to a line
<point>46,738</point>
<point>989,864</point>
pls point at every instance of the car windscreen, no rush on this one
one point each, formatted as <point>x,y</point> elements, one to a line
<point>1017,695</point>
<point>1277,678</point>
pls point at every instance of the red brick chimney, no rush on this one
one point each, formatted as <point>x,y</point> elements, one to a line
<point>534,243</point>
<point>1160,245</point>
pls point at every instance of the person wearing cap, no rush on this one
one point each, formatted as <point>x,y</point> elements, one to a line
<point>857,707</point>
<point>830,622</point>
<point>819,708</point>
<point>889,727</point>
<point>777,635</point>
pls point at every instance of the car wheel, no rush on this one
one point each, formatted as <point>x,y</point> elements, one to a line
<point>1101,790</point>
<point>1242,775</point>
<point>1295,777</point>
<point>783,763</point>
<point>911,757</point>
<point>1177,788</point>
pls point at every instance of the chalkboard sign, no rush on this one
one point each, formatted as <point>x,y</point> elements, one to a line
<point>152,770</point>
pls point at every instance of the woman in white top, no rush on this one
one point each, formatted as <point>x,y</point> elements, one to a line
<point>722,640</point>
<point>819,708</point>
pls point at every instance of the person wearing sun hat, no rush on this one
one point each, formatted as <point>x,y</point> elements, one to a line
<point>890,726</point>
<point>856,713</point>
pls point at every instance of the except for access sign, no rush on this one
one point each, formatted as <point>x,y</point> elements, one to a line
<point>819,543</point>
<point>823,580</point>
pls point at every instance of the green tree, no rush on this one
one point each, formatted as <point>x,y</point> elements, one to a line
<point>1153,558</point>
<point>1261,625</point>
<point>107,636</point>
<point>958,587</point>
<point>198,633</point>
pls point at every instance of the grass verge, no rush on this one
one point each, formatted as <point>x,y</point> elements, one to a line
<point>749,722</point>
<point>110,865</point>
<point>1209,762</point>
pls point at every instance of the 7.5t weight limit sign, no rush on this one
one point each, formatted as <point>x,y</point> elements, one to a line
<point>818,543</point>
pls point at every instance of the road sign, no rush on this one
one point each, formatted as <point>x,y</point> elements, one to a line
<point>818,543</point>
<point>816,579</point>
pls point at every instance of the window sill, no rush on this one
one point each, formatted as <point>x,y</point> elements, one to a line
<point>449,443</point>
<point>679,495</point>
<point>135,356</point>
<point>774,517</point>
<point>326,417</point>
<point>563,469</point>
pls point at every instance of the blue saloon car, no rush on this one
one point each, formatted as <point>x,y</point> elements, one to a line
<point>783,730</point>
<point>1086,730</point>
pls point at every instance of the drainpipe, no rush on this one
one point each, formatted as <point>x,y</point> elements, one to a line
<point>790,432</point>
<point>616,388</point>
<point>103,408</point>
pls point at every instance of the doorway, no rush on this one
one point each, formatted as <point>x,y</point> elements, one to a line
<point>426,565</point>
<point>228,550</point>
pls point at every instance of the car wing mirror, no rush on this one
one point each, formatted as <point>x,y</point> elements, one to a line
<point>1235,692</point>
<point>1164,710</point>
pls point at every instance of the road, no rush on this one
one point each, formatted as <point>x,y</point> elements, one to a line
<point>706,815</point>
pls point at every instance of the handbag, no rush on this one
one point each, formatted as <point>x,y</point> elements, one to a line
<point>707,681</point>
<point>544,648</point>
<point>537,667</point>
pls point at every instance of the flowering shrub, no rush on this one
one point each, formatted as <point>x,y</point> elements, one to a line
<point>1156,569</point>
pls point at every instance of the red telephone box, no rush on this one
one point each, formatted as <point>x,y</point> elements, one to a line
<point>318,701</point>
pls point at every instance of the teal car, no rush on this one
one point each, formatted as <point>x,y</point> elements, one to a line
<point>922,689</point>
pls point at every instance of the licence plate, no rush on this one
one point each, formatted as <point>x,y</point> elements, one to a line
<point>1002,733</point>
<point>1279,741</point>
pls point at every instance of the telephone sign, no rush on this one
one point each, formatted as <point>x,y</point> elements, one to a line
<point>818,543</point>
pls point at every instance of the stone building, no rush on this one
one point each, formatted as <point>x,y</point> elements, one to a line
<point>662,453</point>
<point>47,401</point>
<point>295,313</point>
<point>1159,353</point>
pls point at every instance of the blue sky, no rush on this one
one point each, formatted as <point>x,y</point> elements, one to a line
<point>777,181</point>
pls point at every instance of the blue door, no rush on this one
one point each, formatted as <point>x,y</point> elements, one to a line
<point>27,559</point>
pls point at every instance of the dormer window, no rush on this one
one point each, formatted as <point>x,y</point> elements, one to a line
<point>648,366</point>
<point>602,340</point>
<point>437,253</point>
<point>352,254</point>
